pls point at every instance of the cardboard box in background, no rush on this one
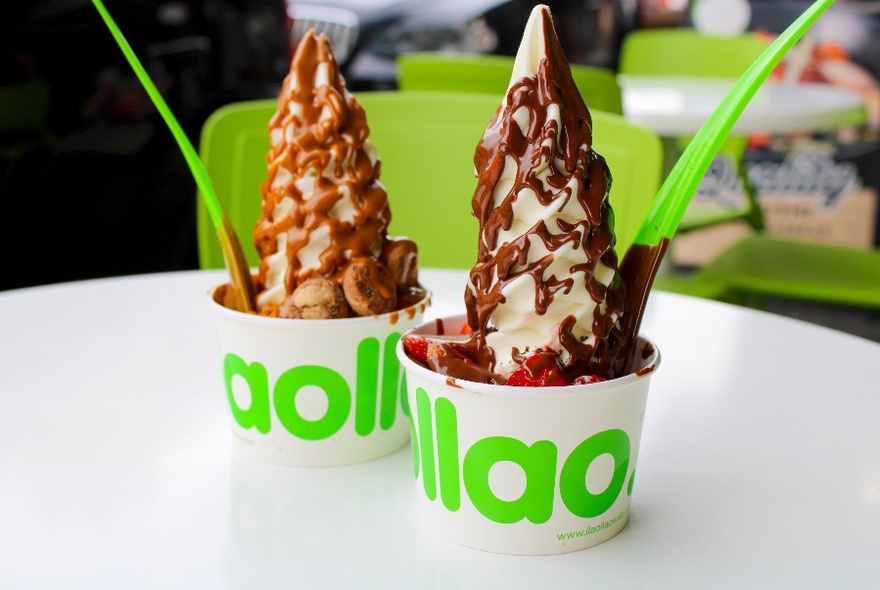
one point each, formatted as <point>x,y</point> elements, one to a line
<point>811,188</point>
<point>821,187</point>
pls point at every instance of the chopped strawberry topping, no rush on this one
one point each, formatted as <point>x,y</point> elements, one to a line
<point>416,347</point>
<point>466,329</point>
<point>427,349</point>
<point>585,379</point>
<point>539,370</point>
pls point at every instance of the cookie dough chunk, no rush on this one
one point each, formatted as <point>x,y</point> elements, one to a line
<point>369,287</point>
<point>316,298</point>
<point>401,257</point>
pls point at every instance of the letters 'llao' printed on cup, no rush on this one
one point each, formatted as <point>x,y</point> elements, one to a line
<point>314,393</point>
<point>525,470</point>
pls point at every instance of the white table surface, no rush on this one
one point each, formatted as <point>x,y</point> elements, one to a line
<point>759,467</point>
<point>675,106</point>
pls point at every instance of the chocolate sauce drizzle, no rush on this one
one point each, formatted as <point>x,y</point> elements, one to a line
<point>571,144</point>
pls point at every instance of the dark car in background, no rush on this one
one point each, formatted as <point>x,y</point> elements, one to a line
<point>368,35</point>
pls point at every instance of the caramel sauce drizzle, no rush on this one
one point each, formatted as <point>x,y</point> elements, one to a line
<point>331,127</point>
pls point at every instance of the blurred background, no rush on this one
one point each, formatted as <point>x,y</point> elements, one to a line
<point>92,183</point>
<point>101,188</point>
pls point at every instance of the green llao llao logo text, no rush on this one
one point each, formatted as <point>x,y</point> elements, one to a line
<point>438,456</point>
<point>368,400</point>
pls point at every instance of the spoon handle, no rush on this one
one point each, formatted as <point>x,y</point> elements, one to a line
<point>242,282</point>
<point>682,182</point>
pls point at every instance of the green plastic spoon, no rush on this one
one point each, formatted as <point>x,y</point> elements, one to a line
<point>642,260</point>
<point>241,296</point>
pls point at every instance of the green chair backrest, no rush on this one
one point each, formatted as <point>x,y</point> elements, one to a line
<point>687,52</point>
<point>426,142</point>
<point>765,266</point>
<point>490,74</point>
<point>24,106</point>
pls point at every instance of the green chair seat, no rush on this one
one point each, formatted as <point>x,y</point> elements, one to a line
<point>696,285</point>
<point>785,268</point>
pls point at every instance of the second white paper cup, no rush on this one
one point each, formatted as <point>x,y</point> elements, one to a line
<point>314,393</point>
<point>526,470</point>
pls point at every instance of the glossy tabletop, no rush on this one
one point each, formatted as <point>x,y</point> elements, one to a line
<point>759,465</point>
<point>673,106</point>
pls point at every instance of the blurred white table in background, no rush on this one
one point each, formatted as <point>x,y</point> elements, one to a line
<point>759,465</point>
<point>678,106</point>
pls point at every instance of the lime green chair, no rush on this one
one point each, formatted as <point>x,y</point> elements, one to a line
<point>24,110</point>
<point>687,53</point>
<point>426,141</point>
<point>490,74</point>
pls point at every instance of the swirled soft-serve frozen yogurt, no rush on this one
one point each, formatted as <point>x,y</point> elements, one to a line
<point>544,298</point>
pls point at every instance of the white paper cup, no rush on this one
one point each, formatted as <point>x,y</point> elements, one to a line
<point>314,393</point>
<point>525,470</point>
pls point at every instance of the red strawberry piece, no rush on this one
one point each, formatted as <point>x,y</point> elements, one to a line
<point>466,329</point>
<point>585,379</point>
<point>416,347</point>
<point>539,370</point>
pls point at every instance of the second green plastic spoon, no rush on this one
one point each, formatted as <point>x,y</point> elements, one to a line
<point>642,260</point>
